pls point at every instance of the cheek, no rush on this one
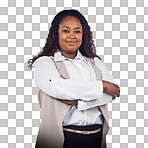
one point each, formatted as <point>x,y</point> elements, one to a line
<point>80,39</point>
<point>60,39</point>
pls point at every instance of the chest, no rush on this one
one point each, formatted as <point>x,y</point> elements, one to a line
<point>78,69</point>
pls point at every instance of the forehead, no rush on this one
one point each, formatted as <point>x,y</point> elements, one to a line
<point>71,21</point>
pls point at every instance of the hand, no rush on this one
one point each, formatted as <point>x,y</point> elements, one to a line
<point>71,102</point>
<point>62,77</point>
<point>111,89</point>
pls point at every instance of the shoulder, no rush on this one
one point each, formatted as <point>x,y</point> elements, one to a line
<point>43,59</point>
<point>94,60</point>
<point>98,61</point>
<point>100,64</point>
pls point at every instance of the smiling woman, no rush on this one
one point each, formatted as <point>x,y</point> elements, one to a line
<point>74,86</point>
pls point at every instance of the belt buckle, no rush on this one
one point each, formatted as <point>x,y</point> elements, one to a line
<point>85,132</point>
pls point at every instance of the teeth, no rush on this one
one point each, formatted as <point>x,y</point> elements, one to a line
<point>71,42</point>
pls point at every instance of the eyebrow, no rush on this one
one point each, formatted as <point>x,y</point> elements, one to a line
<point>69,27</point>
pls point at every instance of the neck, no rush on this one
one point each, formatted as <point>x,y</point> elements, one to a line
<point>69,55</point>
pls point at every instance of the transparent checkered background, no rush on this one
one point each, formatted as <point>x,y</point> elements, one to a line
<point>120,32</point>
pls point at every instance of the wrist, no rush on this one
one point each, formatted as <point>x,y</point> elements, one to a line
<point>76,102</point>
<point>104,86</point>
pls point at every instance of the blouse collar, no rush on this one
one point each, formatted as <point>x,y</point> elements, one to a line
<point>59,57</point>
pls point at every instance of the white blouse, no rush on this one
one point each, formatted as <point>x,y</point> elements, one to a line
<point>81,86</point>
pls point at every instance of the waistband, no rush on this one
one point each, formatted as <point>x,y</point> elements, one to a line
<point>86,127</point>
<point>85,130</point>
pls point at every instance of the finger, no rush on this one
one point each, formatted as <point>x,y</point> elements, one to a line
<point>70,102</point>
<point>116,86</point>
<point>117,90</point>
<point>113,96</point>
<point>117,93</point>
<point>62,76</point>
<point>65,101</point>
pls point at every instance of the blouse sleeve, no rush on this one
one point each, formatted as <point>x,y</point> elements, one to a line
<point>106,75</point>
<point>105,98</point>
<point>47,78</point>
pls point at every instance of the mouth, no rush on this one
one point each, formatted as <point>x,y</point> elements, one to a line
<point>71,42</point>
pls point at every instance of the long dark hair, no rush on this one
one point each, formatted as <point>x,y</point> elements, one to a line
<point>87,47</point>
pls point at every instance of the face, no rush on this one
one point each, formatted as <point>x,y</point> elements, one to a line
<point>70,36</point>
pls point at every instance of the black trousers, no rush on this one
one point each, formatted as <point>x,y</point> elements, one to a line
<point>75,140</point>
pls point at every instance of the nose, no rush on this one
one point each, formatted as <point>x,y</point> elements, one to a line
<point>71,36</point>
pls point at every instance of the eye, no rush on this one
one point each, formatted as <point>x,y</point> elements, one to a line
<point>78,31</point>
<point>66,31</point>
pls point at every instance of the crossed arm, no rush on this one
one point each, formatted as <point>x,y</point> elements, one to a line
<point>92,93</point>
<point>108,88</point>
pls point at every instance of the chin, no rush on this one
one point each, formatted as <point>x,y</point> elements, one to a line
<point>72,50</point>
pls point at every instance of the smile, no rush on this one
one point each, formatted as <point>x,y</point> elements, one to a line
<point>71,42</point>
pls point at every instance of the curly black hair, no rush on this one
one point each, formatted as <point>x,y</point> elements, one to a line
<point>87,47</point>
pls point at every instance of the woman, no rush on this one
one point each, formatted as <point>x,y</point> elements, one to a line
<point>74,86</point>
